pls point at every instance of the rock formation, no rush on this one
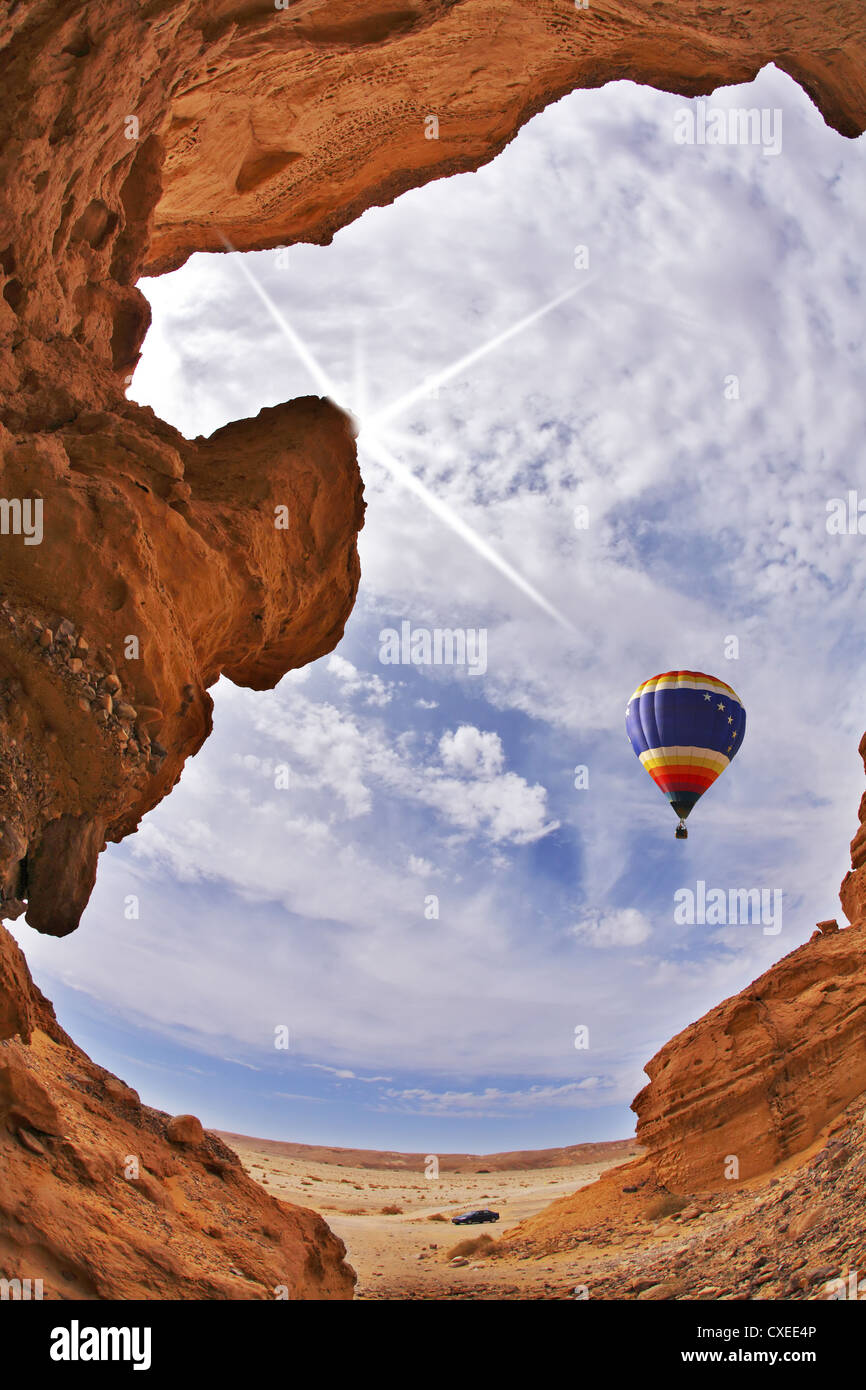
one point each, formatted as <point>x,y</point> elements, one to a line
<point>287,125</point>
<point>162,565</point>
<point>758,1077</point>
<point>103,1197</point>
<point>137,566</point>
<point>798,1235</point>
<point>852,894</point>
<point>758,1109</point>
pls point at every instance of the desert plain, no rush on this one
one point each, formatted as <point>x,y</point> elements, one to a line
<point>396,1222</point>
<point>587,1222</point>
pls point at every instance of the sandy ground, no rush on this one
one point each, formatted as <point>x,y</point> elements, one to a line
<point>406,1253</point>
<point>587,1222</point>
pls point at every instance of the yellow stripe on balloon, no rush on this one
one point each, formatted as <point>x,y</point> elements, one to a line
<point>692,757</point>
<point>673,680</point>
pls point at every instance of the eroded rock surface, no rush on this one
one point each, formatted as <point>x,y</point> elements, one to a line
<point>133,133</point>
<point>290,124</point>
<point>751,1184</point>
<point>103,1197</point>
<point>852,894</point>
<point>799,1234</point>
<point>164,563</point>
<point>758,1077</point>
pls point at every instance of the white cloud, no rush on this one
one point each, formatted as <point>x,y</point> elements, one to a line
<point>494,1102</point>
<point>471,751</point>
<point>344,1074</point>
<point>421,867</point>
<point>626,927</point>
<point>376,691</point>
<point>503,807</point>
<point>352,757</point>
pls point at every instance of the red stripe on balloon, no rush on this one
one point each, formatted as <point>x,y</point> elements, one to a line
<point>672,778</point>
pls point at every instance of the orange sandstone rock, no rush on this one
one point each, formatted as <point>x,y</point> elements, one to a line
<point>97,1203</point>
<point>852,894</point>
<point>132,134</point>
<point>758,1077</point>
<point>184,1129</point>
<point>168,557</point>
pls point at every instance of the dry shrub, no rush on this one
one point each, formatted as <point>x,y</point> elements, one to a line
<point>437,1216</point>
<point>478,1245</point>
<point>668,1205</point>
<point>392,1211</point>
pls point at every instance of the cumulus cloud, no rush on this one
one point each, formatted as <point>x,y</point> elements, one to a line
<point>353,758</point>
<point>471,751</point>
<point>504,807</point>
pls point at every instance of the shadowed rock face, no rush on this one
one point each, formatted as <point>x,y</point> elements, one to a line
<point>759,1076</point>
<point>336,118</point>
<point>163,564</point>
<point>103,1197</point>
<point>131,134</point>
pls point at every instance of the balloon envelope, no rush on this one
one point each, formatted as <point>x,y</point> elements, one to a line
<point>685,727</point>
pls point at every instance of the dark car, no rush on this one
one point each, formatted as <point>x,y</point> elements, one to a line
<point>475,1218</point>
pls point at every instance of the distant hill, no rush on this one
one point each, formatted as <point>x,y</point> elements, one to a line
<point>516,1161</point>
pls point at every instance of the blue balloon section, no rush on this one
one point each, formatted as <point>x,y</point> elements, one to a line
<point>685,727</point>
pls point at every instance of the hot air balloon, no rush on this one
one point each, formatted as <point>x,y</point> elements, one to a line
<point>685,727</point>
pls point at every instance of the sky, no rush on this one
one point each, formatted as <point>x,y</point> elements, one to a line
<point>395,868</point>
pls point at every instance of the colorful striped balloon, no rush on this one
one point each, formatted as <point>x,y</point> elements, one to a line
<point>685,727</point>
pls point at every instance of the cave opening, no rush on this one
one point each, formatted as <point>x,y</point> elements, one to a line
<point>607,388</point>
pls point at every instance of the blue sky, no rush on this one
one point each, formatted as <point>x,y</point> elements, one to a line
<point>304,906</point>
